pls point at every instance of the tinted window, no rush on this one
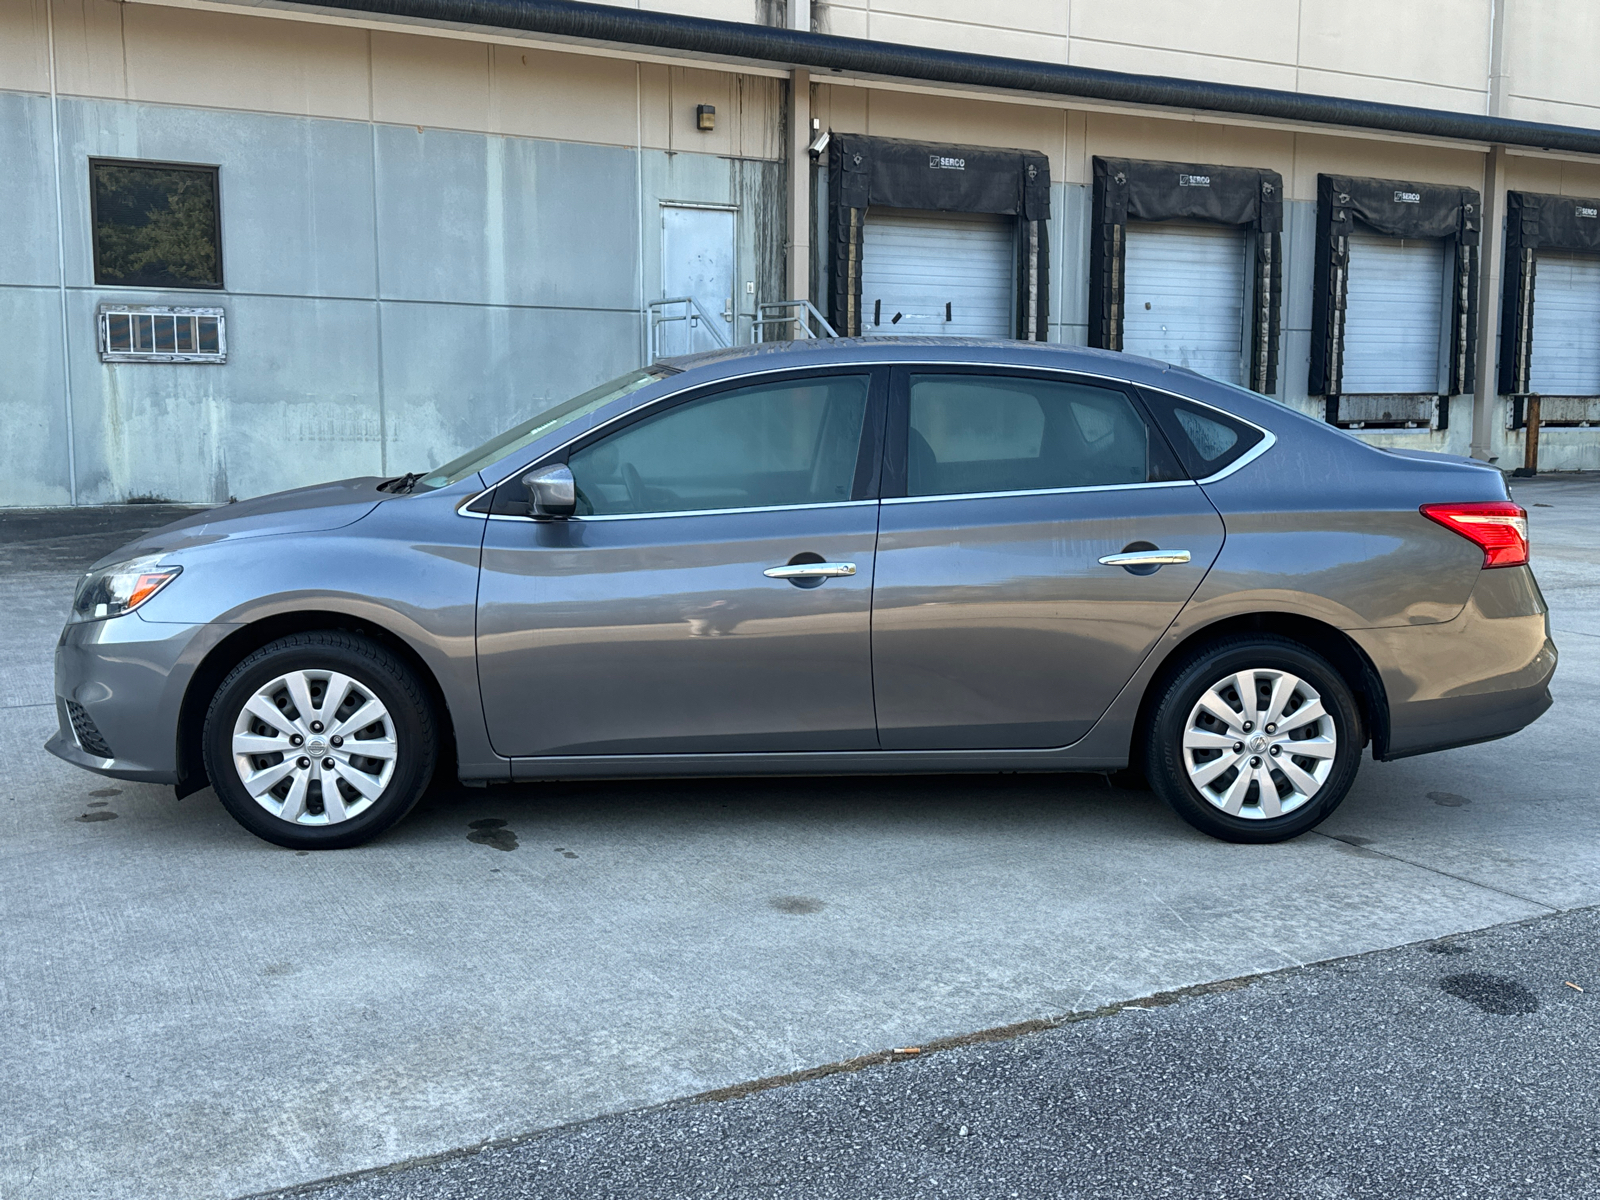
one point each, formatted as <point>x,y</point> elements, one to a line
<point>778,443</point>
<point>155,225</point>
<point>1206,440</point>
<point>982,433</point>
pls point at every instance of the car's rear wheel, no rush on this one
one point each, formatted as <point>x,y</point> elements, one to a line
<point>1254,739</point>
<point>320,741</point>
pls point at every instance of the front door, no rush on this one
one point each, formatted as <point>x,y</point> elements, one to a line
<point>996,625</point>
<point>697,262</point>
<point>713,594</point>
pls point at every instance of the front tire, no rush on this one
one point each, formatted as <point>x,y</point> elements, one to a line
<point>320,741</point>
<point>1254,739</point>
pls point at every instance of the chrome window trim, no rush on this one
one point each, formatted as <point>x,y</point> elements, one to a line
<point>1267,442</point>
<point>681,512</point>
<point>1063,491</point>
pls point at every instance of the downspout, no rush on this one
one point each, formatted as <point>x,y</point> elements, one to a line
<point>61,258</point>
<point>736,42</point>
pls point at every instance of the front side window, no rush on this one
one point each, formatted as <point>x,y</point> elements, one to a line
<point>155,225</point>
<point>982,433</point>
<point>794,442</point>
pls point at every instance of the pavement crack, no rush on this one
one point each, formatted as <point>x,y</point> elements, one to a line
<point>1371,849</point>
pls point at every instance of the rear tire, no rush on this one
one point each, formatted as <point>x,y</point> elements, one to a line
<point>320,741</point>
<point>1258,767</point>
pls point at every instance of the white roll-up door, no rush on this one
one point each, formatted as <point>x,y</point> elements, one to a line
<point>1184,290</point>
<point>948,274</point>
<point>1566,325</point>
<point>1394,315</point>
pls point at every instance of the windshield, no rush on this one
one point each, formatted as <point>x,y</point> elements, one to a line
<point>545,423</point>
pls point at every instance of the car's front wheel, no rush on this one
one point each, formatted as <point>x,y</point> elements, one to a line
<point>320,741</point>
<point>1254,739</point>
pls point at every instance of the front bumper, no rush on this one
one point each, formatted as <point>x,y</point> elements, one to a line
<point>123,680</point>
<point>1483,675</point>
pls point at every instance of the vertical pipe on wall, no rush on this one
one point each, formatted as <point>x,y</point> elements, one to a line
<point>638,179</point>
<point>1485,393</point>
<point>61,255</point>
<point>377,266</point>
<point>799,239</point>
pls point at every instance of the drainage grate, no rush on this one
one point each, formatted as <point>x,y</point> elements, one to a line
<point>84,728</point>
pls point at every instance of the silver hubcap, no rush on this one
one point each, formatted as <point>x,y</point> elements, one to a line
<point>314,747</point>
<point>1259,744</point>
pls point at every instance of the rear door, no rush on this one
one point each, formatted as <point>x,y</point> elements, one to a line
<point>997,624</point>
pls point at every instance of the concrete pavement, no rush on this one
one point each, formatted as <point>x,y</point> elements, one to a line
<point>197,1013</point>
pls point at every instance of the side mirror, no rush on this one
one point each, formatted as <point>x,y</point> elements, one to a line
<point>552,493</point>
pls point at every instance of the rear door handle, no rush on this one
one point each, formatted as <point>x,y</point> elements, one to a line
<point>1145,558</point>
<point>810,571</point>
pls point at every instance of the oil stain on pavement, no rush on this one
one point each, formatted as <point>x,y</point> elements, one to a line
<point>797,906</point>
<point>492,832</point>
<point>1494,994</point>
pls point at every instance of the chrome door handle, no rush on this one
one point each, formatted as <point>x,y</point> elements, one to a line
<point>810,571</point>
<point>1145,558</point>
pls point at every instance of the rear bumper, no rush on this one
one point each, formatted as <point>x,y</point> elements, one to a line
<point>119,688</point>
<point>1483,675</point>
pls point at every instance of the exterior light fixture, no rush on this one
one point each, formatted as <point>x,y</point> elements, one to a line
<point>705,117</point>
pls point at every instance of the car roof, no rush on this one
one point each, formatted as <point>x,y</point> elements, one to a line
<point>814,352</point>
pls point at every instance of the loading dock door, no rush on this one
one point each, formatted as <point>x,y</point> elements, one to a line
<point>1184,288</point>
<point>940,273</point>
<point>1394,315</point>
<point>1566,325</point>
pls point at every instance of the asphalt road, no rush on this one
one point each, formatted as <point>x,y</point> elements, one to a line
<point>195,1013</point>
<point>1458,1068</point>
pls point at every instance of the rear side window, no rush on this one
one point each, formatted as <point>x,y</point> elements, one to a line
<point>1206,440</point>
<point>985,433</point>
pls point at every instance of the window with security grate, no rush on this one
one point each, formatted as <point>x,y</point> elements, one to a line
<point>157,333</point>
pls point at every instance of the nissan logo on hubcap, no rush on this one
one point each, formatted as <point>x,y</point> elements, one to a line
<point>316,748</point>
<point>1257,745</point>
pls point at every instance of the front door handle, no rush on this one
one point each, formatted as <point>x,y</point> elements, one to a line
<point>810,570</point>
<point>1145,558</point>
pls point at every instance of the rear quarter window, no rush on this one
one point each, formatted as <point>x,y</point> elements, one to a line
<point>1207,441</point>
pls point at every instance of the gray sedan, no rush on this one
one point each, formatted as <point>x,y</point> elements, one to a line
<point>842,556</point>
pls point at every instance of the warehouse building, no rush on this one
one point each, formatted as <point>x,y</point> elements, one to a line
<point>250,246</point>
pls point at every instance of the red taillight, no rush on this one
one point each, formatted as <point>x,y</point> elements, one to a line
<point>1498,526</point>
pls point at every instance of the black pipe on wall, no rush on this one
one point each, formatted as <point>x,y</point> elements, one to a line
<point>570,19</point>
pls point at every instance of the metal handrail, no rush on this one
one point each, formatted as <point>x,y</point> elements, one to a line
<point>694,314</point>
<point>777,312</point>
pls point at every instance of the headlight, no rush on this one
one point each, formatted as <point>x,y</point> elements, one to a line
<point>114,590</point>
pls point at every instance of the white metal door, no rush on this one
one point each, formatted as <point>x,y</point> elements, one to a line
<point>1566,325</point>
<point>1184,296</point>
<point>1394,315</point>
<point>947,274</point>
<point>697,260</point>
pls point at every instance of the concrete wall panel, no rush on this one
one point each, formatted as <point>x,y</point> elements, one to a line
<point>91,59</point>
<point>1331,155</point>
<point>469,219</point>
<point>33,444</point>
<point>24,46</point>
<point>455,375</point>
<point>429,82</point>
<point>296,192</point>
<point>1147,60</point>
<point>1441,42</point>
<point>1257,31</point>
<point>189,56</point>
<point>27,192</point>
<point>295,403</point>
